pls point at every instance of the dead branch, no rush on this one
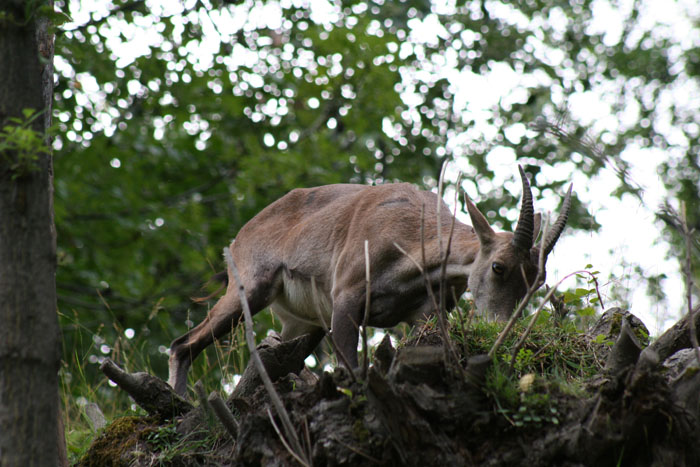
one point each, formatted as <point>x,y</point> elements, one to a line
<point>279,357</point>
<point>203,403</point>
<point>535,315</point>
<point>223,414</point>
<point>438,306</point>
<point>676,337</point>
<point>290,450</point>
<point>531,289</point>
<point>365,318</point>
<point>152,394</point>
<point>442,311</point>
<point>548,296</point>
<point>95,415</point>
<point>626,350</point>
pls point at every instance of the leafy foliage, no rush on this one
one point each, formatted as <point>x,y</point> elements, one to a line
<point>178,123</point>
<point>20,144</point>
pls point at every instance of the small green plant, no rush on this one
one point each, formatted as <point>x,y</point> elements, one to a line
<point>527,415</point>
<point>502,388</point>
<point>524,359</point>
<point>603,340</point>
<point>584,299</point>
<point>162,438</point>
<point>531,407</point>
<point>20,144</point>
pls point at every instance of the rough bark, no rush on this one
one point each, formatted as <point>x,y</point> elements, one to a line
<point>626,350</point>
<point>153,394</point>
<point>29,335</point>
<point>677,337</point>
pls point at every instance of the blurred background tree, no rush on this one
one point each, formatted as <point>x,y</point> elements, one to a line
<point>179,121</point>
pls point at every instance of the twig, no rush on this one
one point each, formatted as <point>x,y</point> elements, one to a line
<point>289,449</point>
<point>462,328</point>
<point>324,325</point>
<point>307,439</point>
<point>422,237</point>
<point>223,414</point>
<point>255,356</point>
<point>421,270</point>
<point>523,303</point>
<point>439,204</point>
<point>541,349</point>
<point>546,299</point>
<point>443,271</point>
<point>597,288</point>
<point>442,311</point>
<point>586,146</point>
<point>449,351</point>
<point>438,305</point>
<point>534,285</point>
<point>365,319</point>
<point>356,450</point>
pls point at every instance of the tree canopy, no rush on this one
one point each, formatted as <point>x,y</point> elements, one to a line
<point>178,121</point>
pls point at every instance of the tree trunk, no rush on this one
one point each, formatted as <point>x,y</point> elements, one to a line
<point>29,332</point>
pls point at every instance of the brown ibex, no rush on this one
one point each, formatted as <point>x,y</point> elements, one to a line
<point>320,233</point>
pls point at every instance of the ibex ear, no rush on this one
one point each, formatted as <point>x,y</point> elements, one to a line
<point>481,225</point>
<point>538,225</point>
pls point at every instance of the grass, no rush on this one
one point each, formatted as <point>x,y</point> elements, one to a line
<point>556,353</point>
<point>82,383</point>
<point>550,370</point>
<point>551,349</point>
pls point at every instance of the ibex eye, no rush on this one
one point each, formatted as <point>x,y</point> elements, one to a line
<point>498,268</point>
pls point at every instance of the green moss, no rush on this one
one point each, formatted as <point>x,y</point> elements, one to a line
<point>616,324</point>
<point>551,350</point>
<point>78,442</point>
<point>114,445</point>
<point>557,355</point>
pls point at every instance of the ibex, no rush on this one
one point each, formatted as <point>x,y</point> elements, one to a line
<point>320,232</point>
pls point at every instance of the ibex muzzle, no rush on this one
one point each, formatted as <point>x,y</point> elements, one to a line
<point>320,232</point>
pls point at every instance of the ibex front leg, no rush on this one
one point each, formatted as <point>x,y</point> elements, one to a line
<point>348,309</point>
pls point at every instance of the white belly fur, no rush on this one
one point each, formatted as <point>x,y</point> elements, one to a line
<point>297,307</point>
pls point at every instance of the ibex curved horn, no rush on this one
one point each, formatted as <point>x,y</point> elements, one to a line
<point>559,225</point>
<point>523,236</point>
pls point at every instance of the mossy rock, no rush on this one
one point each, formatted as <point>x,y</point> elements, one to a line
<point>610,323</point>
<point>115,445</point>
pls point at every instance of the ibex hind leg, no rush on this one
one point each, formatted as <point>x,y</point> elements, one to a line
<point>223,317</point>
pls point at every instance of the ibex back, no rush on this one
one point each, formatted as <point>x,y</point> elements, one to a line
<point>320,233</point>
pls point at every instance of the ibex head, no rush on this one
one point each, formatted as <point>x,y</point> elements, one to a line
<point>507,263</point>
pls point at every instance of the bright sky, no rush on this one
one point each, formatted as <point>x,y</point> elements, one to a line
<point>629,232</point>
